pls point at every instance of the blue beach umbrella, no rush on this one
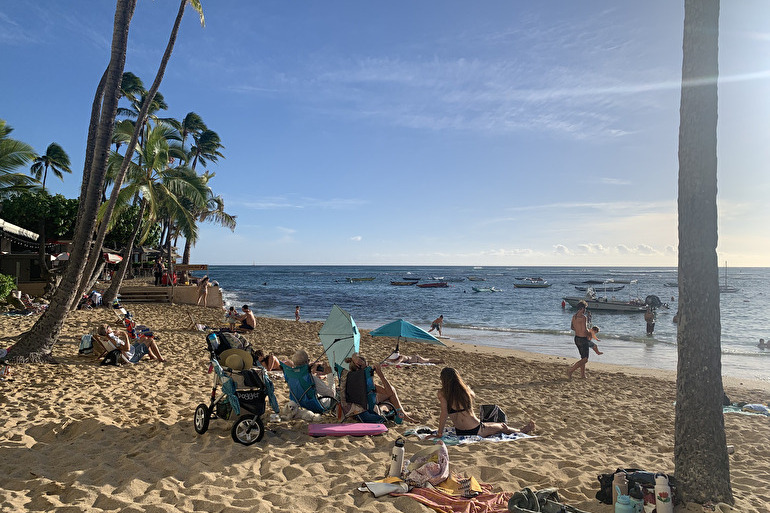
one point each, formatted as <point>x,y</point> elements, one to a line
<point>339,336</point>
<point>402,330</point>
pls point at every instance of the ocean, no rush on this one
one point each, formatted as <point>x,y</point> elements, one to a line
<point>524,319</point>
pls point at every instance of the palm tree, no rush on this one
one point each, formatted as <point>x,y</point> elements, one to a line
<point>213,212</point>
<point>13,155</point>
<point>37,343</point>
<point>700,449</point>
<point>140,121</point>
<point>55,159</point>
<point>206,148</point>
<point>159,189</point>
<point>191,124</point>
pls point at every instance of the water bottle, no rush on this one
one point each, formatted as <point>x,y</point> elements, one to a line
<point>397,458</point>
<point>623,504</point>
<point>637,498</point>
<point>663,502</point>
<point>619,485</point>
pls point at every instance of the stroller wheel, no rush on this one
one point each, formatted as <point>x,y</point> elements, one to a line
<point>201,419</point>
<point>248,430</point>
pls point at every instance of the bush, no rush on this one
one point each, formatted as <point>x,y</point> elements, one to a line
<point>7,284</point>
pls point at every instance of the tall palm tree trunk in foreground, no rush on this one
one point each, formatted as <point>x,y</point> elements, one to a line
<point>700,450</point>
<point>36,344</point>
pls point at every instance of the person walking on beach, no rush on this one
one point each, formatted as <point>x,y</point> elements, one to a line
<point>649,317</point>
<point>580,327</point>
<point>436,324</point>
<point>296,313</point>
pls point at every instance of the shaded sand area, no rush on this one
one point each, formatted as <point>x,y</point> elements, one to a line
<point>79,437</point>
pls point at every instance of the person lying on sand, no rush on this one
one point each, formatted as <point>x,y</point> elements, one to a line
<point>385,391</point>
<point>397,358</point>
<point>456,401</point>
<point>132,353</point>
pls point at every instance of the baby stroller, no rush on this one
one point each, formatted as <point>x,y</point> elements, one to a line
<point>243,394</point>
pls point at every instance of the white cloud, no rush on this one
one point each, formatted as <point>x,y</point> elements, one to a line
<point>560,249</point>
<point>356,238</point>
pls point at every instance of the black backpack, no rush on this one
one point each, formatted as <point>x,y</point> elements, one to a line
<point>113,358</point>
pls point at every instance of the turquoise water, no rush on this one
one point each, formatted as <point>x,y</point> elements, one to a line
<point>524,319</point>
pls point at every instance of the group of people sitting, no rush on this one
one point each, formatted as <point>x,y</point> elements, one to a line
<point>246,319</point>
<point>455,398</point>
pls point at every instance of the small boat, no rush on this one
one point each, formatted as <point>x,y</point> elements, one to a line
<point>608,304</point>
<point>433,285</point>
<point>354,280</point>
<point>407,278</point>
<point>524,278</point>
<point>437,278</point>
<point>672,284</point>
<point>486,289</point>
<point>403,283</point>
<point>727,289</point>
<point>476,278</point>
<point>531,283</point>
<point>614,288</point>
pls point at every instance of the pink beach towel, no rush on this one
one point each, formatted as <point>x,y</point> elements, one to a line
<point>485,502</point>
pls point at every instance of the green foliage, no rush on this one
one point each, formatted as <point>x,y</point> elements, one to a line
<point>27,208</point>
<point>123,227</point>
<point>7,284</point>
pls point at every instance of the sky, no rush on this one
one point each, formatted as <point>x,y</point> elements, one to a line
<point>421,133</point>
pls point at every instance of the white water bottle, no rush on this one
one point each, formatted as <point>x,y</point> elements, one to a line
<point>397,458</point>
<point>663,502</point>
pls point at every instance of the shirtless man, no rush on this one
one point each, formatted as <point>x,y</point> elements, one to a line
<point>436,324</point>
<point>248,322</point>
<point>580,327</point>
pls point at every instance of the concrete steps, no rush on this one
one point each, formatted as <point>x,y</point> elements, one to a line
<point>145,294</point>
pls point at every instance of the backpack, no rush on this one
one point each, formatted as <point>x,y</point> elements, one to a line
<point>86,345</point>
<point>645,480</point>
<point>492,413</point>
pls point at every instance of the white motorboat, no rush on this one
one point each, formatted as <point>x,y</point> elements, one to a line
<point>596,302</point>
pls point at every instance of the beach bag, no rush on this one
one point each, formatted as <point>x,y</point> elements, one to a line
<point>86,345</point>
<point>112,358</point>
<point>492,413</point>
<point>429,465</point>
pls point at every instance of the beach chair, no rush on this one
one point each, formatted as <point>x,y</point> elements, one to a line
<point>358,397</point>
<point>302,390</point>
<point>102,345</point>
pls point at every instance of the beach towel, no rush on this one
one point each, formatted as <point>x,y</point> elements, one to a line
<point>451,438</point>
<point>484,502</point>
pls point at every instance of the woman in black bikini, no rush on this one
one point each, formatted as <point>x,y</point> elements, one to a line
<point>456,400</point>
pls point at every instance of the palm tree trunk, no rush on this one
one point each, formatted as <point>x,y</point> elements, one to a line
<point>700,450</point>
<point>187,249</point>
<point>117,279</point>
<point>38,342</point>
<point>140,122</point>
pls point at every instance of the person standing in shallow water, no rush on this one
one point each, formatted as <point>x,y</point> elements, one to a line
<point>580,327</point>
<point>436,324</point>
<point>649,318</point>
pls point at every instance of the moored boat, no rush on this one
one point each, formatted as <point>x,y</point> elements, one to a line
<point>486,289</point>
<point>614,288</point>
<point>476,278</point>
<point>403,283</point>
<point>607,304</point>
<point>531,283</point>
<point>353,280</point>
<point>433,285</point>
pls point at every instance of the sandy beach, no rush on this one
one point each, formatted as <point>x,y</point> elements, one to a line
<point>80,437</point>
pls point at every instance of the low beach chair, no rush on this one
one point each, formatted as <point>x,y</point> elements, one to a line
<point>102,345</point>
<point>303,392</point>
<point>358,397</point>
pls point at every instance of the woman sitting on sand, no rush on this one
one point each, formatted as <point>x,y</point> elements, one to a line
<point>456,400</point>
<point>132,353</point>
<point>269,362</point>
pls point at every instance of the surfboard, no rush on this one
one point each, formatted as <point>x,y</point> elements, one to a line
<point>357,429</point>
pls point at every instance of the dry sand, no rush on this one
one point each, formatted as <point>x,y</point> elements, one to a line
<point>80,437</point>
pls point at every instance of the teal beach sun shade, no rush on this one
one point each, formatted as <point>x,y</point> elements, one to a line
<point>403,330</point>
<point>340,337</point>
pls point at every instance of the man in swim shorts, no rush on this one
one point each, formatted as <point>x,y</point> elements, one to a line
<point>580,327</point>
<point>436,324</point>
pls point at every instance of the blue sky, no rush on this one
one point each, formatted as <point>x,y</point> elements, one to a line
<point>432,132</point>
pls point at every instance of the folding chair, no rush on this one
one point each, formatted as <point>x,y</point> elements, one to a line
<point>303,392</point>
